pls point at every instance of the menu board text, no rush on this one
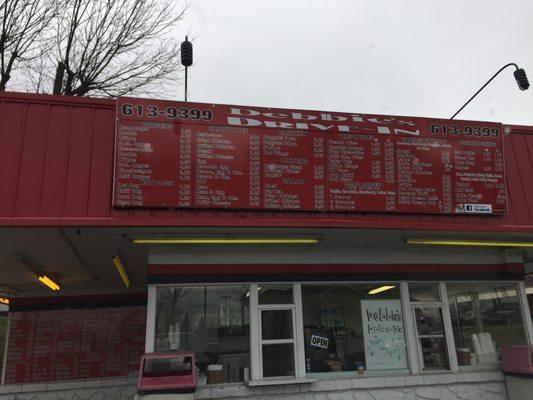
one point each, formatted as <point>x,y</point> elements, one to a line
<point>175,154</point>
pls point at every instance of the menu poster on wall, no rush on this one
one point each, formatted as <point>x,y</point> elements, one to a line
<point>383,334</point>
<point>69,344</point>
<point>174,155</point>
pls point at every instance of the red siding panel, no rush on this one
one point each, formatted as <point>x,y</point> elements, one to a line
<point>101,178</point>
<point>79,163</point>
<point>56,168</point>
<point>12,138</point>
<point>34,142</point>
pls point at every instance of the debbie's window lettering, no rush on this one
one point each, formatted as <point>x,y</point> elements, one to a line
<point>383,334</point>
<point>385,321</point>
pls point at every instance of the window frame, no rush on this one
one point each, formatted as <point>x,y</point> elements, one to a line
<point>256,339</point>
<point>3,360</point>
<point>267,342</point>
<point>443,305</point>
<point>525,311</point>
<point>411,335</point>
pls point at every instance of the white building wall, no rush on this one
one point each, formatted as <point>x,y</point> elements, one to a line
<point>460,386</point>
<point>319,254</point>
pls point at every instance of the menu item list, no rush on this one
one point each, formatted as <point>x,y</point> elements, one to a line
<point>74,344</point>
<point>204,164</point>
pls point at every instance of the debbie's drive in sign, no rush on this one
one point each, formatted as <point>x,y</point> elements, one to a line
<point>383,333</point>
<point>191,155</point>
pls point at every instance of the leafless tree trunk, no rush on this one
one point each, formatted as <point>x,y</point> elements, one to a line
<point>22,33</point>
<point>112,47</point>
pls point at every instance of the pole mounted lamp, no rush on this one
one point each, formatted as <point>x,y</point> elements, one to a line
<point>519,74</point>
<point>186,59</point>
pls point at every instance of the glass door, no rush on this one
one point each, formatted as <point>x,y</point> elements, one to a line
<point>431,338</point>
<point>277,342</point>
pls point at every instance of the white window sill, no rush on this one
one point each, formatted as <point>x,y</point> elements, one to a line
<point>280,381</point>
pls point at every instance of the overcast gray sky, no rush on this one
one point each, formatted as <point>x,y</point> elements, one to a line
<point>400,57</point>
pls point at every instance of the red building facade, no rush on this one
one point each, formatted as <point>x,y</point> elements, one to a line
<point>58,157</point>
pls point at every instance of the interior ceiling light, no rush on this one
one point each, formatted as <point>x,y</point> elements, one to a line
<point>472,243</point>
<point>4,300</point>
<point>39,272</point>
<point>49,282</point>
<point>121,270</point>
<point>171,241</point>
<point>381,289</point>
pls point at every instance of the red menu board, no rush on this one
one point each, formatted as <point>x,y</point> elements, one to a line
<point>44,346</point>
<point>20,347</point>
<point>74,344</point>
<point>93,341</point>
<point>175,154</point>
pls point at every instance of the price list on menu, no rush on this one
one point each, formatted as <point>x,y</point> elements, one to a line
<point>44,346</point>
<point>222,159</point>
<point>424,175</point>
<point>293,167</point>
<point>145,150</point>
<point>361,173</point>
<point>435,167</point>
<point>74,344</point>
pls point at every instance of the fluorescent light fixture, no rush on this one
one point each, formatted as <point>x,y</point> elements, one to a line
<point>48,282</point>
<point>4,300</point>
<point>39,272</point>
<point>121,270</point>
<point>472,243</point>
<point>225,241</point>
<point>381,289</point>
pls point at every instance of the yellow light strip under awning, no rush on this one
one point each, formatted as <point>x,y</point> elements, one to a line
<point>121,270</point>
<point>472,243</point>
<point>225,241</point>
<point>48,282</point>
<point>4,300</point>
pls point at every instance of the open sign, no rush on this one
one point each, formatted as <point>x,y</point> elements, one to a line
<point>319,341</point>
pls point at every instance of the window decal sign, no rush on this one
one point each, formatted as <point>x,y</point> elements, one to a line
<point>191,155</point>
<point>383,334</point>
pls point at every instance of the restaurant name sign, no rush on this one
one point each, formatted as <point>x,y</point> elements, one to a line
<point>192,155</point>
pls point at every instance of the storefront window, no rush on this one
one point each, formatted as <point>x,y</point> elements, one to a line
<point>212,321</point>
<point>433,349</point>
<point>351,327</point>
<point>3,333</point>
<point>275,294</point>
<point>424,292</point>
<point>278,360</point>
<point>529,293</point>
<point>484,316</point>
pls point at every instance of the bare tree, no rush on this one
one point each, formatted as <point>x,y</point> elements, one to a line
<point>22,34</point>
<point>114,47</point>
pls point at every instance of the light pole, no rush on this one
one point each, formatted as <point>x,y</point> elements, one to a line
<point>186,59</point>
<point>519,74</point>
